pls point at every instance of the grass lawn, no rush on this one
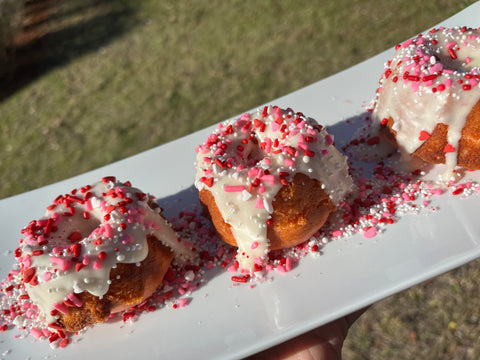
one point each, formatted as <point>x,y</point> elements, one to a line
<point>97,81</point>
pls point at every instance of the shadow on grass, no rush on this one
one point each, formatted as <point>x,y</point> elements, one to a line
<point>55,32</point>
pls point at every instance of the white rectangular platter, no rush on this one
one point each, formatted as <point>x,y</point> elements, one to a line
<point>225,321</point>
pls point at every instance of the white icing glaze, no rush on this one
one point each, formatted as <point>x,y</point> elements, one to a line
<point>83,236</point>
<point>431,79</point>
<point>244,162</point>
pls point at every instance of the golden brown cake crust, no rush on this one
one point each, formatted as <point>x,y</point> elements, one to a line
<point>134,285</point>
<point>300,209</point>
<point>432,150</point>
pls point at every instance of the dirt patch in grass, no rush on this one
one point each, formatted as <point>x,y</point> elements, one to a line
<point>28,46</point>
<point>55,32</point>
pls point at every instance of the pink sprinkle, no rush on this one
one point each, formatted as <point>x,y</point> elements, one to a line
<point>302,146</point>
<point>407,43</point>
<point>410,66</point>
<point>288,264</point>
<point>47,276</point>
<point>120,190</point>
<point>267,161</point>
<point>420,41</point>
<point>281,269</point>
<point>436,68</point>
<point>278,114</point>
<point>406,197</point>
<point>64,264</point>
<point>253,171</point>
<point>27,261</point>
<point>97,265</point>
<point>468,59</point>
<point>88,205</point>
<point>108,230</point>
<point>268,145</point>
<point>275,126</point>
<point>29,239</point>
<point>337,233</point>
<point>103,205</point>
<point>75,300</point>
<point>270,178</point>
<point>289,162</point>
<point>60,307</point>
<point>245,117</point>
<point>232,269</point>
<point>254,245</point>
<point>151,225</point>
<point>233,188</point>
<point>414,85</point>
<point>371,232</point>
<point>258,260</point>
<point>451,44</point>
<point>301,124</point>
<point>261,189</point>
<point>127,238</point>
<point>183,302</point>
<point>36,333</point>
<point>259,204</point>
<point>86,260</point>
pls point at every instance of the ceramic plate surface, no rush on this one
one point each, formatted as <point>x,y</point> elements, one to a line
<point>225,321</point>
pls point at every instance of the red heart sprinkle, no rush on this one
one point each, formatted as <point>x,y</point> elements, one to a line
<point>208,181</point>
<point>423,135</point>
<point>448,149</point>
<point>79,266</point>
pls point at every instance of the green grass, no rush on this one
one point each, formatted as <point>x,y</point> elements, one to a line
<point>113,78</point>
<point>118,77</point>
<point>435,320</point>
